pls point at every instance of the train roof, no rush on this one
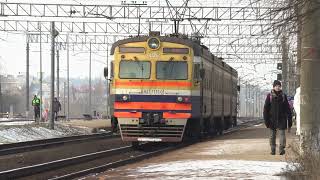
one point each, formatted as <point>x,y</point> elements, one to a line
<point>179,40</point>
<point>198,49</point>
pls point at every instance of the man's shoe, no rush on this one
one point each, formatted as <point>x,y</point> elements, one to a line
<point>282,152</point>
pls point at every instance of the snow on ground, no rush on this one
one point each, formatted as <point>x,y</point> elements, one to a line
<point>16,123</point>
<point>230,147</point>
<point>240,155</point>
<point>15,132</point>
<point>210,169</point>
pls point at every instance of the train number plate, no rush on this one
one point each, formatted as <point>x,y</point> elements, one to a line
<point>153,91</point>
<point>150,139</point>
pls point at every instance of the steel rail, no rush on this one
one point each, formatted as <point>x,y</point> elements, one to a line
<point>116,163</point>
<point>49,166</point>
<point>14,148</point>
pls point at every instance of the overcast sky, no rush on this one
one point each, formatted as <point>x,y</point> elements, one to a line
<point>13,58</point>
<point>13,48</point>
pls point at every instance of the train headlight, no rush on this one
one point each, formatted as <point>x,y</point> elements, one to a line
<point>183,99</point>
<point>154,43</point>
<point>187,99</point>
<point>125,98</point>
<point>141,121</point>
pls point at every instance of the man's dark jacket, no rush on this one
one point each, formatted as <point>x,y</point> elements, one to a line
<point>277,113</point>
<point>56,106</point>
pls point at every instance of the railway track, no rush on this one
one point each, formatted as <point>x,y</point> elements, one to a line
<point>96,162</point>
<point>115,157</point>
<point>119,163</point>
<point>53,165</point>
<point>26,146</point>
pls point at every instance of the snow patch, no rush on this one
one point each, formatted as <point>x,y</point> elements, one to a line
<point>20,133</point>
<point>16,123</point>
<point>212,169</point>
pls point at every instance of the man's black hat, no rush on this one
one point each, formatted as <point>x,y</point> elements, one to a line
<point>276,82</point>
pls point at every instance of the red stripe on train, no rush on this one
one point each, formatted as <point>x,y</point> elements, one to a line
<point>168,115</point>
<point>152,106</point>
<point>128,114</point>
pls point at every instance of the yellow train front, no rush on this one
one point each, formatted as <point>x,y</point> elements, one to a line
<point>155,88</point>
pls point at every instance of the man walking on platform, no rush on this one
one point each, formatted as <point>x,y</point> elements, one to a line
<point>56,108</point>
<point>277,116</point>
<point>36,106</point>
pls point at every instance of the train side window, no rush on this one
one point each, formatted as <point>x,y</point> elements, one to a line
<point>112,70</point>
<point>196,71</point>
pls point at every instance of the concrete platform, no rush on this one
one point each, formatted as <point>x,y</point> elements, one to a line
<point>95,123</point>
<point>244,154</point>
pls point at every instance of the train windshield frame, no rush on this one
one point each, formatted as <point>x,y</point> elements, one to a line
<point>172,70</point>
<point>133,69</point>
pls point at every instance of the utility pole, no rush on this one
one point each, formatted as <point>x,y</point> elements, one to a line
<point>64,98</point>
<point>68,92</point>
<point>292,79</point>
<point>252,100</point>
<point>257,104</point>
<point>310,83</point>
<point>284,64</point>
<point>27,78</point>
<point>238,97</point>
<point>90,108</point>
<point>54,33</point>
<point>58,78</point>
<point>260,103</point>
<point>41,103</point>
<point>249,100</point>
<point>108,88</point>
<point>299,25</point>
<point>0,96</point>
<point>246,99</point>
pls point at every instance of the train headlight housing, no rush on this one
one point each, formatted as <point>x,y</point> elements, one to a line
<point>154,43</point>
<point>125,98</point>
<point>183,99</point>
<point>141,121</point>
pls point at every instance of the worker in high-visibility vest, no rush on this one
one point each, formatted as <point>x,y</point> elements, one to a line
<point>36,106</point>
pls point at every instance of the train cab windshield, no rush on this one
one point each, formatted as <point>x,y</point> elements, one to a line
<point>172,70</point>
<point>134,69</point>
